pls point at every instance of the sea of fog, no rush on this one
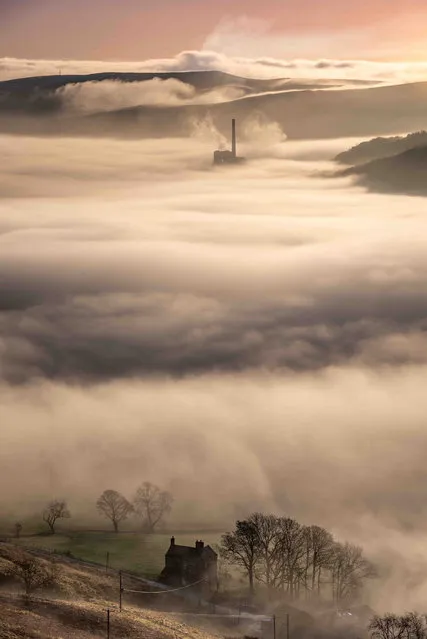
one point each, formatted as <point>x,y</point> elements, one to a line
<point>251,337</point>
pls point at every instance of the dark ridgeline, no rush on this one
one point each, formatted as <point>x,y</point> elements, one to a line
<point>226,156</point>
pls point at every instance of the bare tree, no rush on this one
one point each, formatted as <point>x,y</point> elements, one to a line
<point>114,506</point>
<point>417,625</point>
<point>292,557</point>
<point>269,570</point>
<point>54,511</point>
<point>32,573</point>
<point>152,504</point>
<point>411,625</point>
<point>321,546</point>
<point>349,569</point>
<point>18,529</point>
<point>242,548</point>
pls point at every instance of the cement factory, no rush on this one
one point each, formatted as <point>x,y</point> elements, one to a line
<point>229,157</point>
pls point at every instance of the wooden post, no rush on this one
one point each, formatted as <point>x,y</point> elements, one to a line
<point>287,627</point>
<point>121,591</point>
<point>274,626</point>
<point>108,623</point>
<point>107,562</point>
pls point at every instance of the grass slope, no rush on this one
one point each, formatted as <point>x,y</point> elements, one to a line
<point>75,608</point>
<point>53,619</point>
<point>405,173</point>
<point>380,148</point>
<point>143,554</point>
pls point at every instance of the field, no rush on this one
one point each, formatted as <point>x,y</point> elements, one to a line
<point>143,554</point>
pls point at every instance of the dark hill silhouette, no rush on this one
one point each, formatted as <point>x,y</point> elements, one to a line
<point>201,80</point>
<point>308,114</point>
<point>381,148</point>
<point>38,94</point>
<point>302,114</point>
<point>404,173</point>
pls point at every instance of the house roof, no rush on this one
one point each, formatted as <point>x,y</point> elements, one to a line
<point>176,550</point>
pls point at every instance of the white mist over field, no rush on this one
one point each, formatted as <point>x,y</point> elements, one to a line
<point>251,337</point>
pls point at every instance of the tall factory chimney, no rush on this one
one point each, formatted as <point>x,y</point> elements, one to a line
<point>233,138</point>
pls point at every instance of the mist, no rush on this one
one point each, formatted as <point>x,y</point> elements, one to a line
<point>251,338</point>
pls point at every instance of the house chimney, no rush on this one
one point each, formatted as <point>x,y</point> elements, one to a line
<point>233,138</point>
<point>199,545</point>
<point>172,541</point>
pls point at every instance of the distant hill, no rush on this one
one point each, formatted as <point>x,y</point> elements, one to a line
<point>35,95</point>
<point>304,111</point>
<point>381,148</point>
<point>200,80</point>
<point>404,173</point>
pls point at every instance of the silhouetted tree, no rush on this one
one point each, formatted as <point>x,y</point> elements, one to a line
<point>269,569</point>
<point>152,504</point>
<point>33,573</point>
<point>242,548</point>
<point>321,547</point>
<point>349,569</point>
<point>286,556</point>
<point>411,625</point>
<point>114,506</point>
<point>291,558</point>
<point>54,511</point>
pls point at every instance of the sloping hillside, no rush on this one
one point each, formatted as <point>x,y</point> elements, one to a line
<point>75,606</point>
<point>381,148</point>
<point>302,111</point>
<point>404,173</point>
<point>42,95</point>
<point>50,619</point>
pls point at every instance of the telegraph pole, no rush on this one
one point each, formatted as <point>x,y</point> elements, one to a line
<point>108,623</point>
<point>287,627</point>
<point>274,626</point>
<point>107,562</point>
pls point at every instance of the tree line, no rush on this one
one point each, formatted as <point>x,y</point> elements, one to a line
<point>150,505</point>
<point>283,555</point>
<point>410,625</point>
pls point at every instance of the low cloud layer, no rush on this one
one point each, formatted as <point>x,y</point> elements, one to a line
<point>256,334</point>
<point>110,95</point>
<point>260,66</point>
<point>300,277</point>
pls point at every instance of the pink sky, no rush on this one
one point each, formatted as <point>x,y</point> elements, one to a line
<point>138,29</point>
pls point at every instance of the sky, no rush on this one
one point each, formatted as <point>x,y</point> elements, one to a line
<point>137,29</point>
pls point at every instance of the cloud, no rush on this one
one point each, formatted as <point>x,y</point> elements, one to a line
<point>284,443</point>
<point>271,290</point>
<point>110,95</point>
<point>263,64</point>
<point>256,335</point>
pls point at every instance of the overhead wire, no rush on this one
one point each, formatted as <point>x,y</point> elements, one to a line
<point>162,592</point>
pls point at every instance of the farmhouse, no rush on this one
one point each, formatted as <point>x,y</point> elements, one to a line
<point>185,565</point>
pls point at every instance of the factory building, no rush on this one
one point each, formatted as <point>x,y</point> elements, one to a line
<point>229,157</point>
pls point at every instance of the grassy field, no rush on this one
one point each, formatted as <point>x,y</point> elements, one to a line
<point>137,552</point>
<point>75,605</point>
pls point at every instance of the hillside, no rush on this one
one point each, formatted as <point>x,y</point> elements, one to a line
<point>381,148</point>
<point>405,173</point>
<point>42,95</point>
<point>75,607</point>
<point>302,109</point>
